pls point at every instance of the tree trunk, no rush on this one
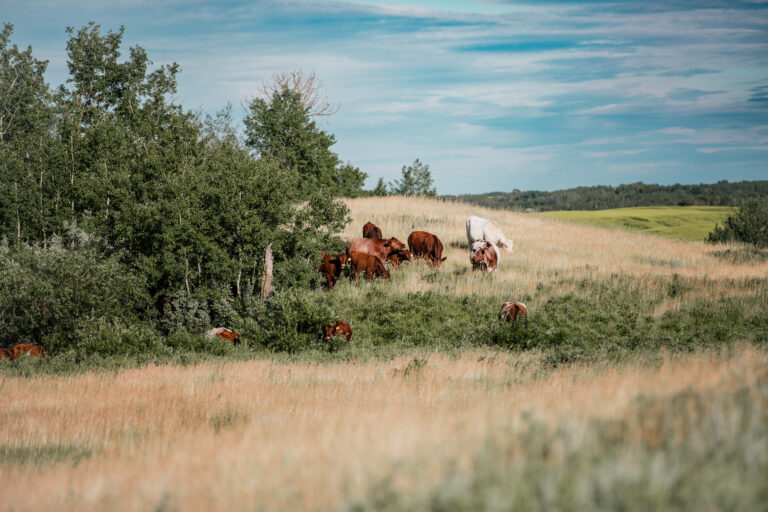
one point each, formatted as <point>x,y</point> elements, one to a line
<point>266,280</point>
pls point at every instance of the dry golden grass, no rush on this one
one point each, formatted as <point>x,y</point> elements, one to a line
<point>257,435</point>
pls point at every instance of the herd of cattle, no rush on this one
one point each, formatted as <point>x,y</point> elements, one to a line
<point>369,255</point>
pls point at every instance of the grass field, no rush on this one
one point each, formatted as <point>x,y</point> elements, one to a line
<point>639,382</point>
<point>682,222</point>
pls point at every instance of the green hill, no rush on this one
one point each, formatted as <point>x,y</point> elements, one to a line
<point>682,222</point>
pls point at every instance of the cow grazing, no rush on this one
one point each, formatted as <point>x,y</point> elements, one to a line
<point>428,246</point>
<point>479,228</point>
<point>484,255</point>
<point>340,328</point>
<point>6,353</point>
<point>398,257</point>
<point>379,247</point>
<point>27,349</point>
<point>331,267</point>
<point>371,265</point>
<point>223,334</point>
<point>371,230</point>
<point>511,310</point>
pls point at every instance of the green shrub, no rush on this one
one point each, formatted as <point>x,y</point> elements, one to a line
<point>293,320</point>
<point>749,224</point>
<point>49,295</point>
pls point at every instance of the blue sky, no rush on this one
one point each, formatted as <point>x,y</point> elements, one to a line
<point>493,95</point>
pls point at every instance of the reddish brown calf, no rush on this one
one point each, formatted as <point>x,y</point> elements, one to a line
<point>27,349</point>
<point>331,267</point>
<point>371,265</point>
<point>340,328</point>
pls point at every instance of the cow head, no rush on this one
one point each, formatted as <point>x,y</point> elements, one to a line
<point>343,259</point>
<point>395,244</point>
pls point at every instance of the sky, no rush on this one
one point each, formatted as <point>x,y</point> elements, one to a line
<point>493,95</point>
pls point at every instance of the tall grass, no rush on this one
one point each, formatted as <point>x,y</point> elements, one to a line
<point>425,431</point>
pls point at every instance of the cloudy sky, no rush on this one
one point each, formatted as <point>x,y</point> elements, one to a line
<point>493,95</point>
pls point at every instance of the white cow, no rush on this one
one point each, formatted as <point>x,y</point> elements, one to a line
<point>479,228</point>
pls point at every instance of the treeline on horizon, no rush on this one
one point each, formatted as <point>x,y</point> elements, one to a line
<point>603,197</point>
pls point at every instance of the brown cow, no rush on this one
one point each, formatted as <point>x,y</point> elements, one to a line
<point>399,256</point>
<point>340,328</point>
<point>428,246</point>
<point>6,353</point>
<point>224,334</point>
<point>27,349</point>
<point>379,247</point>
<point>331,267</point>
<point>371,230</point>
<point>484,256</point>
<point>371,265</point>
<point>511,310</point>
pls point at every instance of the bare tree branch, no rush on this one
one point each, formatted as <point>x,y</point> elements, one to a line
<point>307,85</point>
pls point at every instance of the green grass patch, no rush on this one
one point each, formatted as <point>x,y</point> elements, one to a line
<point>681,222</point>
<point>43,455</point>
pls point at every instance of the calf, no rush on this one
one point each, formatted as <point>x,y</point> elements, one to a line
<point>340,328</point>
<point>6,353</point>
<point>371,265</point>
<point>427,246</point>
<point>511,310</point>
<point>331,267</point>
<point>484,255</point>
<point>399,256</point>
<point>223,334</point>
<point>371,230</point>
<point>27,349</point>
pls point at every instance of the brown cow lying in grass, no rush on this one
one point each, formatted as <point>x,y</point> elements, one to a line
<point>511,310</point>
<point>223,334</point>
<point>340,328</point>
<point>331,267</point>
<point>6,353</point>
<point>371,265</point>
<point>27,349</point>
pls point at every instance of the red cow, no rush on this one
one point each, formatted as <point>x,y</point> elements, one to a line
<point>6,353</point>
<point>27,349</point>
<point>371,230</point>
<point>427,246</point>
<point>399,256</point>
<point>484,255</point>
<point>379,247</point>
<point>511,310</point>
<point>340,328</point>
<point>224,334</point>
<point>371,265</point>
<point>331,267</point>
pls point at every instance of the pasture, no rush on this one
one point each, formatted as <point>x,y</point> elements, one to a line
<point>638,382</point>
<point>681,222</point>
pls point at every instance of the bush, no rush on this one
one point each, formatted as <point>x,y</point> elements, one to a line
<point>293,320</point>
<point>48,295</point>
<point>749,224</point>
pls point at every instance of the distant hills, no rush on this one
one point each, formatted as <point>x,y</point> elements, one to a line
<point>602,197</point>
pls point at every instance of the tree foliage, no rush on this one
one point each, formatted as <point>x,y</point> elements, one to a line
<point>749,224</point>
<point>177,200</point>
<point>416,181</point>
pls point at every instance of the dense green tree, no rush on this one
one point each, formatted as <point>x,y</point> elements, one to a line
<point>280,128</point>
<point>749,224</point>
<point>416,181</point>
<point>381,188</point>
<point>28,210</point>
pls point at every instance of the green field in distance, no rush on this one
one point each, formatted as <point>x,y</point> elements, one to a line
<point>682,222</point>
